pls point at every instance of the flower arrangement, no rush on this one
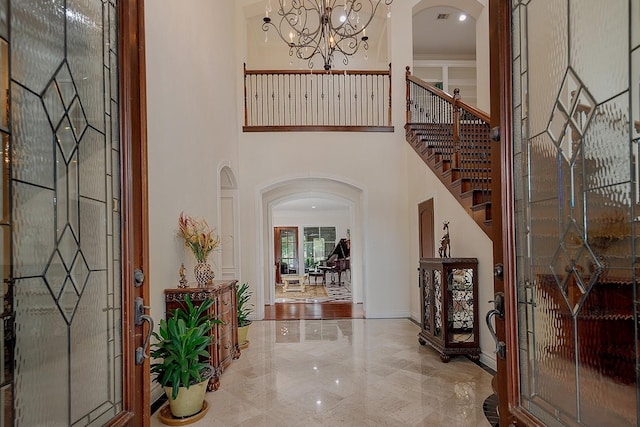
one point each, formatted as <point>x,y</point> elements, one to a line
<point>198,236</point>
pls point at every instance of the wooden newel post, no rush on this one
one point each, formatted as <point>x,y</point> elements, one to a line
<point>390,100</point>
<point>245,95</point>
<point>456,128</point>
<point>408,112</point>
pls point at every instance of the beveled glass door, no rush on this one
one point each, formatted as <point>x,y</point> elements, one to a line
<point>576,76</point>
<point>61,213</point>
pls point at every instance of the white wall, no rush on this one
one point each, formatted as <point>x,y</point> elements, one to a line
<point>371,162</point>
<point>483,98</point>
<point>467,241</point>
<point>479,10</point>
<point>191,127</point>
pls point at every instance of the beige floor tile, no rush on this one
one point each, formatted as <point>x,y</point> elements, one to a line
<point>360,372</point>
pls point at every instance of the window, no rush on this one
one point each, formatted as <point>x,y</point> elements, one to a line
<point>289,251</point>
<point>318,243</point>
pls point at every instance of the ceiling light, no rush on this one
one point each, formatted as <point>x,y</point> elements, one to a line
<point>462,17</point>
<point>313,207</point>
<point>312,28</point>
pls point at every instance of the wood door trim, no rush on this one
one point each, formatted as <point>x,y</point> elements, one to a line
<point>507,380</point>
<point>501,75</point>
<point>427,205</point>
<point>277,250</point>
<point>134,209</point>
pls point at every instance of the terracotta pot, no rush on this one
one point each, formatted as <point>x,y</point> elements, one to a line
<point>189,401</point>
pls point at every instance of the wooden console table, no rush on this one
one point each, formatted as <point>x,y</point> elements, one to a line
<point>225,346</point>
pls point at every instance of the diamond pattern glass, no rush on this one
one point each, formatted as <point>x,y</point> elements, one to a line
<point>41,340</point>
<point>53,103</point>
<point>92,165</point>
<point>64,131</point>
<point>88,338</point>
<point>37,37</point>
<point>32,135</point>
<point>574,218</point>
<point>593,26</point>
<point>33,230</point>
<point>548,19</point>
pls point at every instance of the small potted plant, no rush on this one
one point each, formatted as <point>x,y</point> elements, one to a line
<point>244,310</point>
<point>181,355</point>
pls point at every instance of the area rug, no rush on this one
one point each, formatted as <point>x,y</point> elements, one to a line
<point>311,292</point>
<point>339,292</point>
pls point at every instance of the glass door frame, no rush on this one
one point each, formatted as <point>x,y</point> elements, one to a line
<point>507,381</point>
<point>135,210</point>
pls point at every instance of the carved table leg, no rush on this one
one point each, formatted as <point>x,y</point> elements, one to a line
<point>236,352</point>
<point>214,383</point>
<point>445,358</point>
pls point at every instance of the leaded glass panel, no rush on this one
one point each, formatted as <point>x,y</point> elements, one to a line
<point>62,294</point>
<point>576,201</point>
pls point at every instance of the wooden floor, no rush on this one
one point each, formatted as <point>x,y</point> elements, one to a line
<point>325,310</point>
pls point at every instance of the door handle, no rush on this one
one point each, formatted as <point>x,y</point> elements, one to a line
<point>140,318</point>
<point>498,310</point>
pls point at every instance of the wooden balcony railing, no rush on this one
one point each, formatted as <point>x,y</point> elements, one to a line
<point>457,133</point>
<point>351,101</point>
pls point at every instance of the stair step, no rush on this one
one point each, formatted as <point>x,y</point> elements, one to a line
<point>485,206</point>
<point>477,197</point>
<point>469,184</point>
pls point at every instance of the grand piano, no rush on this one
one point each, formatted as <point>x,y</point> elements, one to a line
<point>338,260</point>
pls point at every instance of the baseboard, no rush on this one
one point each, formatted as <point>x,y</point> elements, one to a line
<point>387,315</point>
<point>489,361</point>
<point>157,396</point>
<point>157,404</point>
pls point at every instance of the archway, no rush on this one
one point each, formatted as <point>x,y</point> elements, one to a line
<point>229,256</point>
<point>320,188</point>
<point>453,54</point>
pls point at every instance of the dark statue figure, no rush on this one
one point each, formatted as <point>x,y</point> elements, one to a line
<point>445,248</point>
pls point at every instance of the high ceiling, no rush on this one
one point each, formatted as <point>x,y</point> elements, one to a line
<point>433,37</point>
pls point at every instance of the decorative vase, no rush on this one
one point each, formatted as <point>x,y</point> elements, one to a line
<point>203,272</point>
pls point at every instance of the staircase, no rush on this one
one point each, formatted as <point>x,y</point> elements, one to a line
<point>453,139</point>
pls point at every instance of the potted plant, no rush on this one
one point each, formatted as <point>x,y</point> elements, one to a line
<point>244,310</point>
<point>181,355</point>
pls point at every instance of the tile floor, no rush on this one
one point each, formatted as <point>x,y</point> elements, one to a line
<point>345,372</point>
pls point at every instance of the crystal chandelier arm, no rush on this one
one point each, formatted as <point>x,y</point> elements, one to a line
<point>321,27</point>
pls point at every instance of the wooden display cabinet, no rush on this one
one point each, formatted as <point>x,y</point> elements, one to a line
<point>224,348</point>
<point>449,312</point>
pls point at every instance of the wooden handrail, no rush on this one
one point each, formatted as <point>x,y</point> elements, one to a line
<point>452,134</point>
<point>447,97</point>
<point>347,72</point>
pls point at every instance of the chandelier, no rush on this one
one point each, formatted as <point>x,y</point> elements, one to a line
<point>323,27</point>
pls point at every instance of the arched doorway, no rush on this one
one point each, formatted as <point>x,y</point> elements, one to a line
<point>328,189</point>
<point>229,256</point>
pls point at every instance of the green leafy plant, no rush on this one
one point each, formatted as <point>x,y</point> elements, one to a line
<point>181,342</point>
<point>244,308</point>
